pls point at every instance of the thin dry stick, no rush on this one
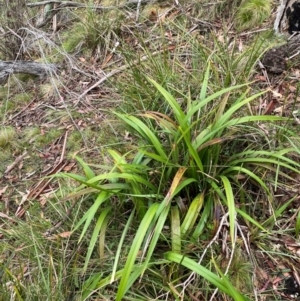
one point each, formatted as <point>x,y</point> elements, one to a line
<point>17,161</point>
<point>116,71</point>
<point>63,152</point>
<point>21,111</point>
<point>54,20</point>
<point>138,10</point>
<point>192,276</point>
<point>228,265</point>
<point>247,247</point>
<point>263,69</point>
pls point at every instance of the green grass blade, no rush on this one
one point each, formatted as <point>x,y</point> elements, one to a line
<point>278,212</point>
<point>90,288</point>
<point>234,293</point>
<point>157,233</point>
<point>85,182</point>
<point>118,158</point>
<point>89,215</point>
<point>204,85</point>
<point>136,244</point>
<point>231,208</point>
<point>192,150</point>
<point>175,230</point>
<point>205,273</point>
<point>156,157</point>
<point>95,235</point>
<point>262,161</point>
<point>171,101</point>
<point>239,170</point>
<point>228,114</point>
<point>102,237</point>
<point>145,132</point>
<point>212,97</point>
<point>192,215</point>
<point>184,184</point>
<point>87,170</point>
<point>246,119</point>
<point>117,256</point>
<point>297,226</point>
<point>122,175</point>
<point>203,220</point>
<point>251,220</point>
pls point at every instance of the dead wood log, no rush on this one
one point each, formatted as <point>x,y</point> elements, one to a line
<point>277,59</point>
<point>33,68</point>
<point>287,17</point>
<point>55,6</point>
<point>70,4</point>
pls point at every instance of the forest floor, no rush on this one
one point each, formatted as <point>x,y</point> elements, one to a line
<point>103,60</point>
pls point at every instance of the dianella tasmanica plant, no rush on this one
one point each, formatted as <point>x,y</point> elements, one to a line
<point>188,176</point>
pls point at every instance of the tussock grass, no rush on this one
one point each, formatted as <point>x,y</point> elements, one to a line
<point>7,136</point>
<point>252,13</point>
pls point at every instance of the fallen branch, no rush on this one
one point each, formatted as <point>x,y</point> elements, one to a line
<point>38,69</point>
<point>59,5</point>
<point>81,5</point>
<point>280,15</point>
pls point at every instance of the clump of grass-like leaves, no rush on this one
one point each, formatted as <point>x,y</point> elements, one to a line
<point>94,32</point>
<point>252,13</point>
<point>191,168</point>
<point>7,136</point>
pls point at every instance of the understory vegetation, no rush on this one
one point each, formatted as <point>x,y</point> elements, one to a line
<point>157,162</point>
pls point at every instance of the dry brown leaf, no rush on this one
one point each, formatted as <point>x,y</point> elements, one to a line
<point>276,94</point>
<point>65,234</point>
<point>261,78</point>
<point>279,110</point>
<point>69,166</point>
<point>270,107</point>
<point>107,60</point>
<point>2,191</point>
<point>171,47</point>
<point>292,88</point>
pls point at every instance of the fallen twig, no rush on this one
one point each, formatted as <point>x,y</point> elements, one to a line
<point>28,67</point>
<point>10,167</point>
